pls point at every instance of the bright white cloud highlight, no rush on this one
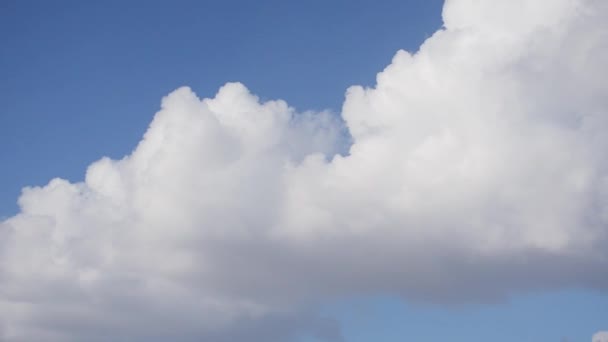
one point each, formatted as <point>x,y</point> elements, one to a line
<point>477,169</point>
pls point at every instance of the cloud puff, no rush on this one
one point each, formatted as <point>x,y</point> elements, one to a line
<point>600,336</point>
<point>474,169</point>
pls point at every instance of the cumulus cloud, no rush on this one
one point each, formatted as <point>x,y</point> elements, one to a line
<point>474,169</point>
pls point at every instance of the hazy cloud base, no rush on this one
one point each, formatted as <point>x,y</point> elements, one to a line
<point>474,169</point>
<point>600,336</point>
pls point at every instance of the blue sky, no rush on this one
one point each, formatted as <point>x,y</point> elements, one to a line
<point>81,80</point>
<point>553,316</point>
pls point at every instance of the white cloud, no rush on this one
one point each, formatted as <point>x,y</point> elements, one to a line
<point>600,336</point>
<point>477,169</point>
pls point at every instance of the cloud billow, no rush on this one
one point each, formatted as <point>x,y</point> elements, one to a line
<point>474,169</point>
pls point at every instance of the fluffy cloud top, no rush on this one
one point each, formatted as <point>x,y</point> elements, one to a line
<point>474,169</point>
